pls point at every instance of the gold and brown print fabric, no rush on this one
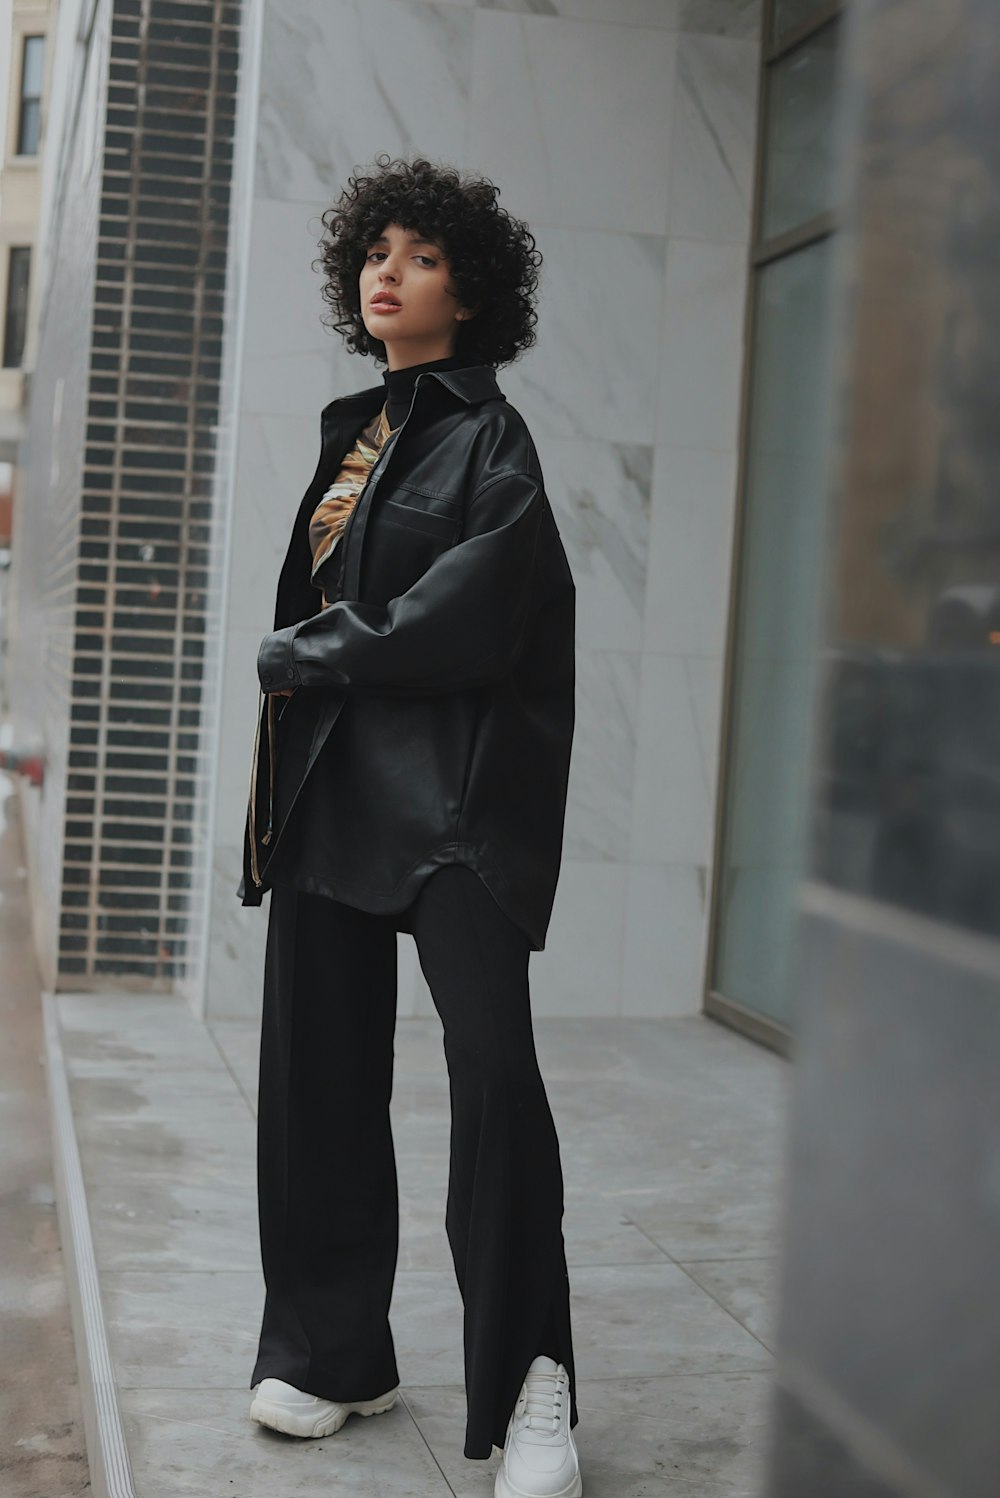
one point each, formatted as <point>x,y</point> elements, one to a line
<point>334,509</point>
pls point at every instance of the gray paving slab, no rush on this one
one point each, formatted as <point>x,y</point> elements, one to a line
<point>747,1288</point>
<point>672,1146</point>
<point>700,1436</point>
<point>198,1443</point>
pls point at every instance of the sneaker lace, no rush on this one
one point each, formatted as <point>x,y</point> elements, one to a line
<point>543,1395</point>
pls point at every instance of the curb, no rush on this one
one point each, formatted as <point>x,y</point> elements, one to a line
<point>110,1470</point>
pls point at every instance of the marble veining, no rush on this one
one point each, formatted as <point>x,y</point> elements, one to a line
<point>600,493</point>
<point>589,105</point>
<point>593,371</point>
<point>600,789</point>
<point>343,79</point>
<point>725,17</point>
<point>712,160</point>
<point>623,131</point>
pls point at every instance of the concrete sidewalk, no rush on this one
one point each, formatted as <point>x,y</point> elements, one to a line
<point>42,1448</point>
<point>672,1138</point>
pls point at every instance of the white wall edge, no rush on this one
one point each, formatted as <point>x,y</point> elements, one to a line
<point>110,1469</point>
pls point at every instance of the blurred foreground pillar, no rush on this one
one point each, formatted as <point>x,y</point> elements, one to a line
<point>889,1323</point>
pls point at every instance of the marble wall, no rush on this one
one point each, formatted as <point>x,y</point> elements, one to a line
<point>623,131</point>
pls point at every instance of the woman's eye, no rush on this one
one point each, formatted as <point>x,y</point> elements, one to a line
<point>372,254</point>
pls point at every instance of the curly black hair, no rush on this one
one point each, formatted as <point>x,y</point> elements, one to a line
<point>493,260</point>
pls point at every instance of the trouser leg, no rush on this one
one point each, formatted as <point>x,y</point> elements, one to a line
<point>505,1190</point>
<point>326,1169</point>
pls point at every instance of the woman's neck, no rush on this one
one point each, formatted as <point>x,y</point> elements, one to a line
<point>399,384</point>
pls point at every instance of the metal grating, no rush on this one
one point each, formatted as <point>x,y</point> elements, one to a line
<point>140,731</point>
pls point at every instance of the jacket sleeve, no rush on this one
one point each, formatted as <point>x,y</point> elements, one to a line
<point>460,625</point>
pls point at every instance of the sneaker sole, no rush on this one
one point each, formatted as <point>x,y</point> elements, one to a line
<point>503,1488</point>
<point>280,1417</point>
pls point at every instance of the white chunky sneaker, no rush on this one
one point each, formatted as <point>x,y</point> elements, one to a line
<point>283,1407</point>
<point>539,1454</point>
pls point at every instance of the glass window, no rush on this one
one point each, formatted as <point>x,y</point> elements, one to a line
<point>16,318</point>
<point>765,807</point>
<point>770,718</point>
<point>798,169</point>
<point>29,119</point>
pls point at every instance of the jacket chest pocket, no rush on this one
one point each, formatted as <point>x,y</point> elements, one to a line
<point>406,531</point>
<point>429,522</point>
<point>424,510</point>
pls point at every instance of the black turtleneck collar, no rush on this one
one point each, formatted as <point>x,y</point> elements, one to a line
<point>399,384</point>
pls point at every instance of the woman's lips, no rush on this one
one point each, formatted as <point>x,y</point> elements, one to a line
<point>386,307</point>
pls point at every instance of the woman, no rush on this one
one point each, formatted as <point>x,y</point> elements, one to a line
<point>410,774</point>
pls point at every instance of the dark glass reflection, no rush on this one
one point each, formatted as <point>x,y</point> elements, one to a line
<point>909,775</point>
<point>908,807</point>
<point>791,13</point>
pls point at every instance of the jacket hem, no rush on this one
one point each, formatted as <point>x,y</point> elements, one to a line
<point>395,901</point>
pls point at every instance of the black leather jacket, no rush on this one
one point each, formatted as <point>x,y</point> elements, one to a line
<point>433,711</point>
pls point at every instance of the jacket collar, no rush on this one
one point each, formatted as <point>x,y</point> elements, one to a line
<point>473,385</point>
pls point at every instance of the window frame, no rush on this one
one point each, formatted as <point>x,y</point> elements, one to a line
<point>24,98</point>
<point>765,1029</point>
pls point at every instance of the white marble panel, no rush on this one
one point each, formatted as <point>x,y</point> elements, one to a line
<point>607,124</point>
<point>663,13</point>
<point>234,979</point>
<point>344,79</point>
<point>665,930</point>
<point>237,728</point>
<point>688,583</point>
<point>600,494</point>
<point>593,371</point>
<point>276,460</point>
<point>671,803</point>
<point>704,674</point>
<point>725,17</point>
<point>573,120</point>
<point>599,805</point>
<point>292,363</point>
<point>712,151</point>
<point>722,17</point>
<point>702,343</point>
<point>579,973</point>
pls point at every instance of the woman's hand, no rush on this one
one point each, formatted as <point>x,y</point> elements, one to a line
<point>461,625</point>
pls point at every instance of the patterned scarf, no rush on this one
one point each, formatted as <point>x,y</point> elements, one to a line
<point>333,511</point>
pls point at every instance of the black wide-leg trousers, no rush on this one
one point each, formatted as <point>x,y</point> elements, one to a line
<point>327,1183</point>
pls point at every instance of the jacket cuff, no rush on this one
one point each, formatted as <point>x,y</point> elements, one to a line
<point>276,666</point>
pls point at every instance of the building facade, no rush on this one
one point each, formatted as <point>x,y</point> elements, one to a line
<point>764,399</point>
<point>25,89</point>
<point>179,410</point>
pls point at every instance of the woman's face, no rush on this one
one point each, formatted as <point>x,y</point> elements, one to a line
<point>418,317</point>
